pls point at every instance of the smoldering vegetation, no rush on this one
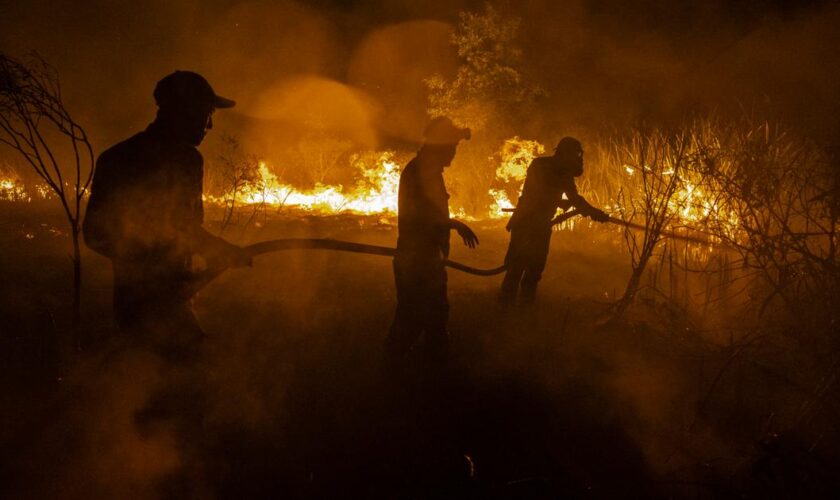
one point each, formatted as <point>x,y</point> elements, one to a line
<point>695,357</point>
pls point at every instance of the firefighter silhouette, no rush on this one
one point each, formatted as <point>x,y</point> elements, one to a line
<point>549,185</point>
<point>145,214</point>
<point>423,245</point>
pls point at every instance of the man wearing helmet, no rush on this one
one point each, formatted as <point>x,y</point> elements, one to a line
<point>423,245</point>
<point>145,214</point>
<point>549,185</point>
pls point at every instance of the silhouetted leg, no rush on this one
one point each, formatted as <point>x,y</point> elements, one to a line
<point>529,285</point>
<point>147,308</point>
<point>178,404</point>
<point>436,316</point>
<point>404,331</point>
<point>407,325</point>
<point>510,284</point>
<point>537,255</point>
<point>515,269</point>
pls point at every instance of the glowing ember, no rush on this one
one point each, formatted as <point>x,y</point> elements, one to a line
<point>12,189</point>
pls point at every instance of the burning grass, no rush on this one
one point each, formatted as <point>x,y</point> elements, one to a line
<point>752,191</point>
<point>374,193</point>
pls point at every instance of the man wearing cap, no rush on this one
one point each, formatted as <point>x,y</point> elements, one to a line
<point>549,185</point>
<point>145,214</point>
<point>423,245</point>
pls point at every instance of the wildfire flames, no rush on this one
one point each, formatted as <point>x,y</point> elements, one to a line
<point>515,156</point>
<point>376,190</point>
<point>374,193</point>
<point>13,189</point>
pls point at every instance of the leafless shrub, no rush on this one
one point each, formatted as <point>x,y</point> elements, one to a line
<point>236,173</point>
<point>655,160</point>
<point>781,190</point>
<point>35,123</point>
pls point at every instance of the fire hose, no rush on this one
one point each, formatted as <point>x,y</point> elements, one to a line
<point>349,246</point>
<point>264,247</point>
<point>200,280</point>
<point>632,225</point>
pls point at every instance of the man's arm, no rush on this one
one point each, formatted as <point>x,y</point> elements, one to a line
<point>533,185</point>
<point>580,203</point>
<point>101,226</point>
<point>464,231</point>
<point>217,251</point>
<point>431,202</point>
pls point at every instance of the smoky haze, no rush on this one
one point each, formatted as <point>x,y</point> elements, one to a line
<point>357,68</point>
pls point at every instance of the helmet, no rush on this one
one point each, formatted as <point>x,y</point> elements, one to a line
<point>568,145</point>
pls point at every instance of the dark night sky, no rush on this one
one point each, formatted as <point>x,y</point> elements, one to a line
<point>597,58</point>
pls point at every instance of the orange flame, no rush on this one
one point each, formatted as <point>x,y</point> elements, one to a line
<point>375,192</point>
<point>516,155</point>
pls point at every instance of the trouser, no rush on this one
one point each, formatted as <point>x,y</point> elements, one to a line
<point>178,399</point>
<point>170,331</point>
<point>422,306</point>
<point>149,309</point>
<point>525,262</point>
<point>159,323</point>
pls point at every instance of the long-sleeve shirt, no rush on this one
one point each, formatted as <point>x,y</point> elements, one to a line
<point>423,212</point>
<point>146,198</point>
<point>546,183</point>
<point>145,213</point>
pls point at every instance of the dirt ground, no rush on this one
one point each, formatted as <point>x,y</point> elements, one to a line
<point>291,399</point>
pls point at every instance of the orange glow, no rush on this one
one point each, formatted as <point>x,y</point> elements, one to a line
<point>12,188</point>
<point>374,193</point>
<point>516,155</point>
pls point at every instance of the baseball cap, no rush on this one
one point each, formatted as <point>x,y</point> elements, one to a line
<point>188,88</point>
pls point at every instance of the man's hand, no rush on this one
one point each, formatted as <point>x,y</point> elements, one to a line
<point>242,258</point>
<point>467,234</point>
<point>216,251</point>
<point>598,215</point>
<point>238,257</point>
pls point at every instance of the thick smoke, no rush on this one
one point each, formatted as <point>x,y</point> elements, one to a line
<point>599,62</point>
